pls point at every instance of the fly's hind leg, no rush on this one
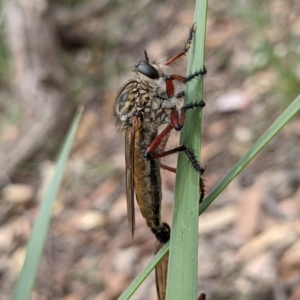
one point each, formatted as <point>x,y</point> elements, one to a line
<point>201,189</point>
<point>201,181</point>
<point>190,155</point>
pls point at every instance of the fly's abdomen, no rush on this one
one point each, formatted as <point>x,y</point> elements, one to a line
<point>147,184</point>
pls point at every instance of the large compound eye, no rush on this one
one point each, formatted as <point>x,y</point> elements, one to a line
<point>147,70</point>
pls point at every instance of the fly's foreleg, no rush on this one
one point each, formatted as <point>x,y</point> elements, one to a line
<point>186,47</point>
<point>169,79</point>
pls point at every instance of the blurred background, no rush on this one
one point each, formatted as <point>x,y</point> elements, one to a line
<point>55,55</point>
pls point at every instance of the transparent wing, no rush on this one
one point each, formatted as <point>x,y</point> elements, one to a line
<point>129,159</point>
<point>161,274</point>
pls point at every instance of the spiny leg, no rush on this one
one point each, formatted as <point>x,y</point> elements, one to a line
<point>186,47</point>
<point>183,79</point>
<point>169,80</point>
<point>201,181</point>
<point>177,122</point>
<point>182,148</point>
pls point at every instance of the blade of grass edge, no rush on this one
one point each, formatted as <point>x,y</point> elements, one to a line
<point>183,276</point>
<point>35,246</point>
<point>289,112</point>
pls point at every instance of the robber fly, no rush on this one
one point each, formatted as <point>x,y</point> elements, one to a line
<point>142,106</point>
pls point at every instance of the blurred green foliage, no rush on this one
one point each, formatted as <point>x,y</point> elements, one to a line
<point>275,45</point>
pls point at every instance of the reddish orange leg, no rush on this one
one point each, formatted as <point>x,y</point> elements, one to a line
<point>165,167</point>
<point>169,80</point>
<point>186,47</point>
<point>177,122</point>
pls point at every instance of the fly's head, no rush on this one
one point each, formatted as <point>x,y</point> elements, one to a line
<point>148,72</point>
<point>144,96</point>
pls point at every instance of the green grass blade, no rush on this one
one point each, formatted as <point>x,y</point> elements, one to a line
<point>183,257</point>
<point>37,240</point>
<point>289,112</point>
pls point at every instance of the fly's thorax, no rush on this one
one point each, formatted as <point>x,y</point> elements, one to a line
<point>145,97</point>
<point>157,115</point>
<point>141,99</point>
